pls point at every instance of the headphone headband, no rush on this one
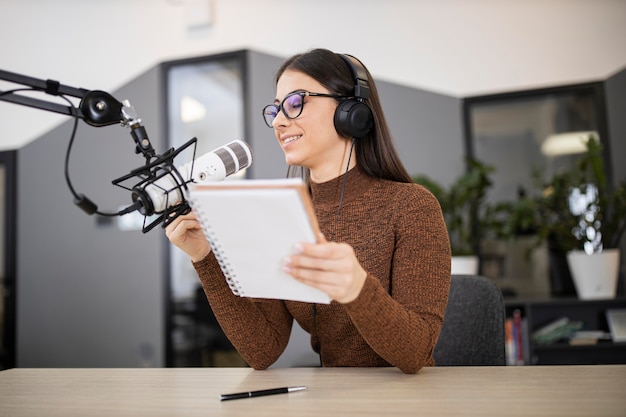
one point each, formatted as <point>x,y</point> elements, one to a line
<point>359,75</point>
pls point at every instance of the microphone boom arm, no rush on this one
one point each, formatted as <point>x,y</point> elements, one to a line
<point>97,108</point>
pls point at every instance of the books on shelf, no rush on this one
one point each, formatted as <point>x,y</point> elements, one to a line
<point>516,339</point>
<point>567,331</point>
<point>252,226</point>
<point>560,329</point>
<point>588,337</point>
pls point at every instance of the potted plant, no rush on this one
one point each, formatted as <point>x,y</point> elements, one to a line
<point>541,217</point>
<point>580,215</point>
<point>464,208</point>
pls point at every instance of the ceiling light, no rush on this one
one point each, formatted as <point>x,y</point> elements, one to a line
<point>191,110</point>
<point>567,143</point>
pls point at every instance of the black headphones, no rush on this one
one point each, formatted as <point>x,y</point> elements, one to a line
<point>353,118</point>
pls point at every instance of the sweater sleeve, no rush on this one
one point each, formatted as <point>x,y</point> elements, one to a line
<point>403,325</point>
<point>258,329</point>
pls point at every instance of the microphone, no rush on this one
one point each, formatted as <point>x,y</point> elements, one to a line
<point>168,186</point>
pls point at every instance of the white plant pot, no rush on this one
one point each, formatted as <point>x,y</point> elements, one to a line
<point>595,276</point>
<point>464,265</point>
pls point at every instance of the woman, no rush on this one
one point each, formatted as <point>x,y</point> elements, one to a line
<point>384,257</point>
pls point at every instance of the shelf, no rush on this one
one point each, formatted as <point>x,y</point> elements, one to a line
<point>606,345</point>
<point>592,313</point>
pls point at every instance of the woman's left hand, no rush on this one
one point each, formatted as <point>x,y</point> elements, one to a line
<point>331,267</point>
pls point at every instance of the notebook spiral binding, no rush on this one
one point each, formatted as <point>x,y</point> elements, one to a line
<point>222,260</point>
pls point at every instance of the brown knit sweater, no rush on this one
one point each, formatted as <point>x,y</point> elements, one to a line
<point>399,236</point>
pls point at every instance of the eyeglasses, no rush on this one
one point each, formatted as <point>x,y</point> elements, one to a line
<point>291,106</point>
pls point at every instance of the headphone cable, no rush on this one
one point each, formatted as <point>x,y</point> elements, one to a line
<point>343,189</point>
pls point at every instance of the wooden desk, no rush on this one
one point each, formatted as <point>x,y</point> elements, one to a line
<point>570,391</point>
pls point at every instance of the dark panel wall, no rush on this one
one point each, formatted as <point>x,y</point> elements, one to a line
<point>616,111</point>
<point>268,159</point>
<point>427,130</point>
<point>88,295</point>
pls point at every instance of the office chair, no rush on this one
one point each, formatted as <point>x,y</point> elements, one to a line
<point>473,325</point>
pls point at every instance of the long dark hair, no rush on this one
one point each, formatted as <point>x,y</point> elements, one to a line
<point>375,152</point>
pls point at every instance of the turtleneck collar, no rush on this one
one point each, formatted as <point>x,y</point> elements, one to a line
<point>327,194</point>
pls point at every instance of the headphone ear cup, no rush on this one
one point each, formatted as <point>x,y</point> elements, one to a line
<point>353,118</point>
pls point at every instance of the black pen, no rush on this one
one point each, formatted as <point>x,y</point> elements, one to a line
<point>250,394</point>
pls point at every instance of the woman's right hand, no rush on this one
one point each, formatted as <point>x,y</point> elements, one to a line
<point>186,233</point>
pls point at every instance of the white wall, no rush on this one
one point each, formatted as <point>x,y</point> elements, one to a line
<point>456,47</point>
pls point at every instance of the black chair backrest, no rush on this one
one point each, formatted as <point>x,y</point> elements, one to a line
<point>473,326</point>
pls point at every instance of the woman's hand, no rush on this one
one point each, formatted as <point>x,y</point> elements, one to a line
<point>186,233</point>
<point>328,266</point>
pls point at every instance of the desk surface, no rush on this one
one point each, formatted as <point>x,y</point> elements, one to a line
<point>570,391</point>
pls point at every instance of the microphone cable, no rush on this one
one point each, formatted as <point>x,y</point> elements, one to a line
<point>82,200</point>
<point>79,199</point>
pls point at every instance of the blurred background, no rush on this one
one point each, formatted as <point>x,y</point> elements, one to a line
<point>93,292</point>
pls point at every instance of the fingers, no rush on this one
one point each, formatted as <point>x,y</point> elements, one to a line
<point>323,249</point>
<point>330,267</point>
<point>302,259</point>
<point>309,258</point>
<point>186,233</point>
<point>179,226</point>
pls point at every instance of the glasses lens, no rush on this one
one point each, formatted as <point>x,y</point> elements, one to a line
<point>292,105</point>
<point>269,114</point>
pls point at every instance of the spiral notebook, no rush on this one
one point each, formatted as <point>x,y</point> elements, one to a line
<point>252,225</point>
